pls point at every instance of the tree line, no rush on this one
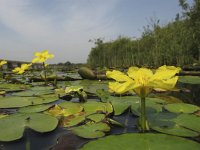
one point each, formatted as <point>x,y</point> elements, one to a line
<point>177,43</point>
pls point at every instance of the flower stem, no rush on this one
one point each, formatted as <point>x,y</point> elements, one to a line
<point>143,120</point>
<point>45,74</point>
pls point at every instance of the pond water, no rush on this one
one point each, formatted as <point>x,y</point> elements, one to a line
<point>61,138</point>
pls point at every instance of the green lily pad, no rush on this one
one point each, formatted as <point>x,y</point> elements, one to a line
<point>72,120</point>
<point>42,88</point>
<point>13,87</point>
<point>32,109</point>
<point>96,117</point>
<point>14,125</point>
<point>92,107</point>
<point>15,101</point>
<point>181,108</point>
<point>90,85</point>
<point>89,131</point>
<point>165,123</point>
<point>189,79</point>
<point>120,104</point>
<point>151,107</point>
<point>135,141</point>
<point>104,95</point>
<point>189,121</point>
<point>170,99</point>
<point>30,93</point>
<point>156,100</point>
<point>71,108</point>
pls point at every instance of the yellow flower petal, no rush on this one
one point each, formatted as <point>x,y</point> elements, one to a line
<point>41,57</point>
<point>117,75</point>
<point>35,60</point>
<point>121,88</point>
<point>164,84</point>
<point>132,71</point>
<point>3,62</point>
<point>136,74</point>
<point>166,72</point>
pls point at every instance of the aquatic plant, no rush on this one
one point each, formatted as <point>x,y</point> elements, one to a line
<point>22,68</point>
<point>3,62</point>
<point>42,57</point>
<point>142,81</point>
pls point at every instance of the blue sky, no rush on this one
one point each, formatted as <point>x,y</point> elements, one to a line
<point>64,27</point>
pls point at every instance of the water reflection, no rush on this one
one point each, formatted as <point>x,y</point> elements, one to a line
<point>190,93</point>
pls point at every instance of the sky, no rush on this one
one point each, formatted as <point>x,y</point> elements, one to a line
<point>64,27</point>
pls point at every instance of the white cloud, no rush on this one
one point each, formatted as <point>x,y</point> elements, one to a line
<point>66,27</point>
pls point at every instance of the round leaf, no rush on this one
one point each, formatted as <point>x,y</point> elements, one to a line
<point>165,123</point>
<point>181,108</point>
<point>13,126</point>
<point>137,141</point>
<point>94,130</point>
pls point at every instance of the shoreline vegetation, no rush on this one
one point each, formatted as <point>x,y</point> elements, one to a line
<point>176,43</point>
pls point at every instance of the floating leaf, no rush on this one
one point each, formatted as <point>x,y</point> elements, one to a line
<point>170,99</point>
<point>189,121</point>
<point>15,101</point>
<point>60,92</point>
<point>137,141</point>
<point>95,107</point>
<point>3,115</point>
<point>65,109</point>
<point>90,85</point>
<point>32,109</point>
<point>14,125</point>
<point>165,123</point>
<point>120,104</point>
<point>96,117</point>
<point>189,79</point>
<point>71,108</point>
<point>55,111</point>
<point>94,130</point>
<point>42,88</point>
<point>151,107</point>
<point>104,95</point>
<point>30,93</point>
<point>72,120</point>
<point>13,87</point>
<point>181,108</point>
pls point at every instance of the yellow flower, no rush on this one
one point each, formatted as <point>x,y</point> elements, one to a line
<point>41,57</point>
<point>3,62</point>
<point>22,69</point>
<point>143,80</point>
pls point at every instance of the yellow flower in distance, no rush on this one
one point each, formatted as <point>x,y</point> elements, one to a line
<point>3,62</point>
<point>41,57</point>
<point>22,69</point>
<point>143,80</point>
